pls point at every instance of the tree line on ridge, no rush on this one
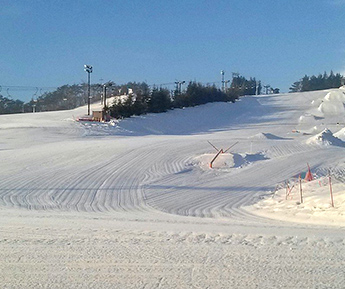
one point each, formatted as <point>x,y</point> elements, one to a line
<point>142,98</point>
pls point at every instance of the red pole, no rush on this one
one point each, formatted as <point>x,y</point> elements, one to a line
<point>300,188</point>
<point>330,189</point>
<point>211,163</point>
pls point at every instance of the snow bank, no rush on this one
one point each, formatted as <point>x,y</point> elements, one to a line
<point>263,136</point>
<point>227,161</point>
<point>327,138</point>
<point>332,107</point>
<point>332,103</point>
<point>336,95</point>
<point>223,161</point>
<point>316,207</point>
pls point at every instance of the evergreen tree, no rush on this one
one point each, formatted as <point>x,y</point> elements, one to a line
<point>296,86</point>
<point>241,86</point>
<point>140,104</point>
<point>320,82</point>
<point>159,100</point>
<point>8,105</point>
<point>64,97</point>
<point>197,94</point>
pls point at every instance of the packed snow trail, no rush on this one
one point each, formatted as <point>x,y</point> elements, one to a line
<point>133,203</point>
<point>144,172</point>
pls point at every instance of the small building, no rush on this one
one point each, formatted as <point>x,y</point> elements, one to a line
<point>97,115</point>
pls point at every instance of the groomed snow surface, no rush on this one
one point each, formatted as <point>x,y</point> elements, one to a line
<point>135,204</point>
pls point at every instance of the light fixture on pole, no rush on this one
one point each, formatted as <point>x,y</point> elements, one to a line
<point>88,69</point>
<point>222,72</point>
<point>179,86</point>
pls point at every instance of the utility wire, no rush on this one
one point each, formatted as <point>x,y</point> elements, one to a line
<point>26,88</point>
<point>33,88</point>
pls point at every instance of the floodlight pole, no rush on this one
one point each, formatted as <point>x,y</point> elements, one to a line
<point>105,97</point>
<point>105,94</point>
<point>88,69</point>
<point>223,81</point>
<point>88,93</point>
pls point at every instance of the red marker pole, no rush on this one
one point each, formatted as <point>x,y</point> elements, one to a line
<point>330,189</point>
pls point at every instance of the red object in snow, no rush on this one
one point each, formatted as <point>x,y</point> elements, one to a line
<point>309,176</point>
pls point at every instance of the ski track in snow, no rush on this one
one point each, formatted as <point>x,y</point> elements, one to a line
<point>158,175</point>
<point>125,202</point>
<point>153,180</point>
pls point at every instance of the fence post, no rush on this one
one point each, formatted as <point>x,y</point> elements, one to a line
<point>330,188</point>
<point>300,188</point>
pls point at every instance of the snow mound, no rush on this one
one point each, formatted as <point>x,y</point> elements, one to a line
<point>340,134</point>
<point>223,161</point>
<point>306,119</point>
<point>331,107</point>
<point>259,136</point>
<point>246,159</point>
<point>263,136</point>
<point>227,161</point>
<point>317,102</point>
<point>332,103</point>
<point>327,138</point>
<point>335,96</point>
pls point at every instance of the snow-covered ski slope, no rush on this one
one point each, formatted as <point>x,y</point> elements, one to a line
<point>147,180</point>
<point>160,162</point>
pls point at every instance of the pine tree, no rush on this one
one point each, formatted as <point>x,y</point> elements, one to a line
<point>159,100</point>
<point>322,81</point>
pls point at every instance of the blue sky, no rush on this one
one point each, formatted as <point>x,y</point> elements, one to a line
<point>45,43</point>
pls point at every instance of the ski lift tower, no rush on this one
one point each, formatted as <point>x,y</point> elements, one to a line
<point>179,86</point>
